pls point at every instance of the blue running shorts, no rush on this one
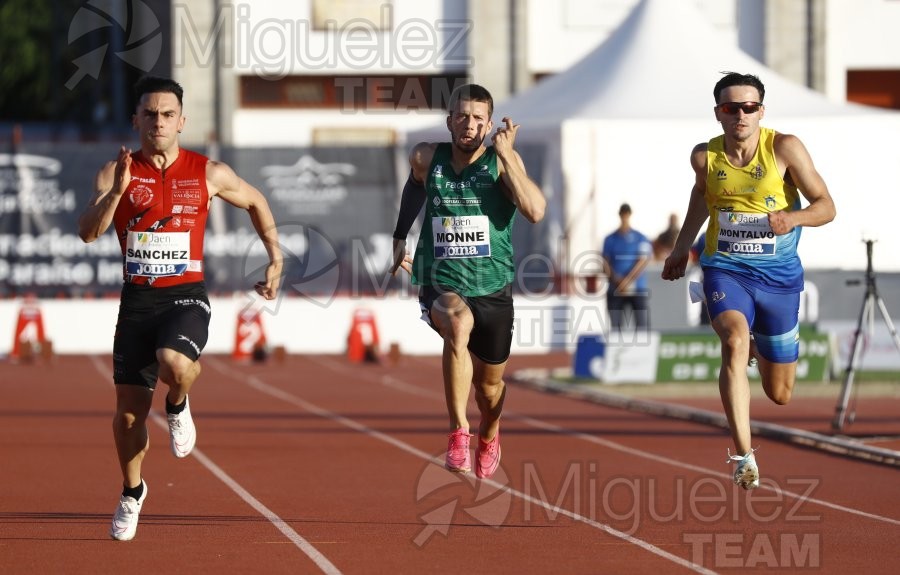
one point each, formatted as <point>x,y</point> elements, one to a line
<point>774,317</point>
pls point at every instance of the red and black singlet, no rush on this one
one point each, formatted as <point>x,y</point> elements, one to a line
<point>161,220</point>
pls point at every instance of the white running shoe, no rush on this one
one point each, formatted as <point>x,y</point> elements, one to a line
<point>125,520</point>
<point>746,474</point>
<point>182,433</point>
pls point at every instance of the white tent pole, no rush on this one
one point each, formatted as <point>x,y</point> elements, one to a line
<point>588,204</point>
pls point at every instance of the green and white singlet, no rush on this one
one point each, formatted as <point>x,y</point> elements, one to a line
<point>466,239</point>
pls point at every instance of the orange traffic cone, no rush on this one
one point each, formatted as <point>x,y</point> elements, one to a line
<point>29,330</point>
<point>249,337</point>
<point>362,341</point>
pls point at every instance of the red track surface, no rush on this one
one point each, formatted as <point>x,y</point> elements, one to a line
<point>315,465</point>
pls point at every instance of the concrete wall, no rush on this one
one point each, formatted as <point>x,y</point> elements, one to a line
<point>543,324</point>
<point>302,326</point>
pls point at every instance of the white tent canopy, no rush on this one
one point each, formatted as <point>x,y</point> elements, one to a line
<point>620,124</point>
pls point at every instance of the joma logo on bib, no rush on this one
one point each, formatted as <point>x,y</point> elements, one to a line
<point>745,248</point>
<point>155,270</point>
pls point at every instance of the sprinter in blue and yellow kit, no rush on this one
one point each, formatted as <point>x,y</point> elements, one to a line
<point>749,183</point>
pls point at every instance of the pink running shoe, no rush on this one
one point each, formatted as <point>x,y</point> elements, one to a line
<point>487,457</point>
<point>458,459</point>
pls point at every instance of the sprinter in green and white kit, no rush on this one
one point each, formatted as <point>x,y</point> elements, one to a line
<point>464,261</point>
<point>465,244</point>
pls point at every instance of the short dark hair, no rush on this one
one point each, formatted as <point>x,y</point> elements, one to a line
<point>624,209</point>
<point>471,92</point>
<point>736,79</point>
<point>155,84</point>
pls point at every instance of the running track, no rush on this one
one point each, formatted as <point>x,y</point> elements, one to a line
<point>315,465</point>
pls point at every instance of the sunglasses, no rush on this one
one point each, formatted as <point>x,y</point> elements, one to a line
<point>731,108</point>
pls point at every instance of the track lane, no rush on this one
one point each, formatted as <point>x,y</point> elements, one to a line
<point>364,380</point>
<point>361,500</point>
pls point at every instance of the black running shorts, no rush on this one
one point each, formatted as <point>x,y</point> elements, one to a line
<point>175,317</point>
<point>491,337</point>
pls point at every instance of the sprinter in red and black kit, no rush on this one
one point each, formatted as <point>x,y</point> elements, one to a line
<point>158,198</point>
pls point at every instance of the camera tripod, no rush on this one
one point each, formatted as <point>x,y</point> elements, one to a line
<point>867,319</point>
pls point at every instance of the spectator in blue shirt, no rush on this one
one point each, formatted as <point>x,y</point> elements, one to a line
<point>626,253</point>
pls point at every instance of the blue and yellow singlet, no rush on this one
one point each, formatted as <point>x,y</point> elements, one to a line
<point>739,237</point>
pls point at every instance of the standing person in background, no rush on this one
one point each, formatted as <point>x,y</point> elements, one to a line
<point>464,261</point>
<point>748,182</point>
<point>665,241</point>
<point>158,199</point>
<point>626,253</point>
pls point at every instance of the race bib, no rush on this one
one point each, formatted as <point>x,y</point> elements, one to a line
<point>748,234</point>
<point>461,237</point>
<point>151,254</point>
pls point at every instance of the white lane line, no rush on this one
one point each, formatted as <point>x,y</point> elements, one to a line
<point>402,386</point>
<point>259,385</point>
<point>680,465</point>
<point>301,543</point>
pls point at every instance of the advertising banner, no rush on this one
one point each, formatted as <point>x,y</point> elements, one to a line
<point>335,208</point>
<point>696,356</point>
